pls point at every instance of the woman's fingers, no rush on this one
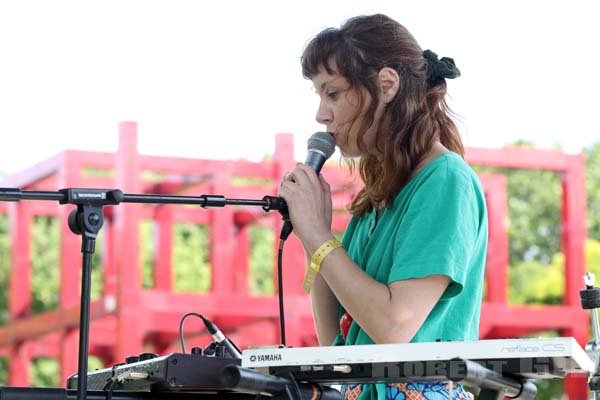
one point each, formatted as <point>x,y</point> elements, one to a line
<point>324,185</point>
<point>302,173</point>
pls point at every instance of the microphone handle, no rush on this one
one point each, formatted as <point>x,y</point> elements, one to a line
<point>315,160</point>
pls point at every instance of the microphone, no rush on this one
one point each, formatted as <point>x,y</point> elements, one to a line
<point>321,146</point>
<point>246,380</point>
<point>220,338</point>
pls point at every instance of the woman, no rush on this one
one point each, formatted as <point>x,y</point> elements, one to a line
<point>410,265</point>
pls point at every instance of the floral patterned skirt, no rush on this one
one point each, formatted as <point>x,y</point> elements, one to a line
<point>414,391</point>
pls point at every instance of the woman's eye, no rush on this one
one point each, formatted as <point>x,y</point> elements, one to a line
<point>332,94</point>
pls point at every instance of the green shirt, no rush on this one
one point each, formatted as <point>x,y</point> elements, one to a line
<point>437,224</point>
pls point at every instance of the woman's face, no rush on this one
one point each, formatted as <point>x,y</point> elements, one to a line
<point>340,111</point>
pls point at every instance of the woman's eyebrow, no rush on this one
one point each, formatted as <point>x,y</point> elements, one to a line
<point>324,84</point>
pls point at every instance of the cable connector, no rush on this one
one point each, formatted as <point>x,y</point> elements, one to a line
<point>220,338</point>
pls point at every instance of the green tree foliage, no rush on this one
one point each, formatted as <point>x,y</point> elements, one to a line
<point>534,213</point>
<point>4,268</point>
<point>97,278</point>
<point>532,282</point>
<point>592,257</point>
<point>3,371</point>
<point>190,262</point>
<point>262,259</point>
<point>147,259</point>
<point>549,389</point>
<point>262,253</point>
<point>44,372</point>
<point>191,266</point>
<point>45,264</point>
<point>592,172</point>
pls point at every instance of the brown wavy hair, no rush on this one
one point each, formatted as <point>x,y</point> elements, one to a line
<point>412,122</point>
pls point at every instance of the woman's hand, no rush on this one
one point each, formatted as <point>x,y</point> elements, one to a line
<point>308,198</point>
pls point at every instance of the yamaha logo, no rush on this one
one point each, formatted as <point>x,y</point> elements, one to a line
<point>265,357</point>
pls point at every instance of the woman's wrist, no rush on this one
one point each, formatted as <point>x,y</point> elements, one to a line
<point>317,257</point>
<point>314,242</point>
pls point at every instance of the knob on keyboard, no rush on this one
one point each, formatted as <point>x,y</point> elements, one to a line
<point>147,356</point>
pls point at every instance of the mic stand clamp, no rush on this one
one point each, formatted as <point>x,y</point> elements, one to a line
<point>279,204</point>
<point>590,300</point>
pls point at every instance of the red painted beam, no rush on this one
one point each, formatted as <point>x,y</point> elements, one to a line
<point>41,324</point>
<point>218,304</point>
<point>19,295</point>
<point>222,239</point>
<point>518,157</point>
<point>205,168</point>
<point>32,174</point>
<point>496,271</point>
<point>574,230</point>
<point>129,329</point>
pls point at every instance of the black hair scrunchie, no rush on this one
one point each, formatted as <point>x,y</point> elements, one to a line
<point>438,70</point>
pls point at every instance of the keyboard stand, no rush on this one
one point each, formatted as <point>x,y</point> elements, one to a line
<point>590,300</point>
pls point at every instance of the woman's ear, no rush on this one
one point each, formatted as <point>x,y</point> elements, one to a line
<point>389,83</point>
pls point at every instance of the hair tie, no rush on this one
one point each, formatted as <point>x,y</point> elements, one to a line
<point>438,70</point>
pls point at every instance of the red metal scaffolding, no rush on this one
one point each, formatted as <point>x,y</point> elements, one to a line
<point>128,319</point>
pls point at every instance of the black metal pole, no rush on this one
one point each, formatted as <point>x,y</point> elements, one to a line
<point>84,322</point>
<point>116,196</point>
<point>46,393</point>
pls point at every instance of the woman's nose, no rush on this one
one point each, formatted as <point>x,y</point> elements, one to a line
<point>324,116</point>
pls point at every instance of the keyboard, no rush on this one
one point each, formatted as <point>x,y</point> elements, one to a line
<point>538,358</point>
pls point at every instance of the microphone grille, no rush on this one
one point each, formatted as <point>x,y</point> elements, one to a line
<point>322,142</point>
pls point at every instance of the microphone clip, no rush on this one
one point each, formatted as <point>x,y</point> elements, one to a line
<point>279,204</point>
<point>273,203</point>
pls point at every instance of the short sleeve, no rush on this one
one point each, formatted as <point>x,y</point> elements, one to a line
<point>438,232</point>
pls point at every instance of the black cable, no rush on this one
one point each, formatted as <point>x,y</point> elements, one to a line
<point>181,327</point>
<point>295,385</point>
<point>280,296</point>
<point>109,392</point>
<point>280,291</point>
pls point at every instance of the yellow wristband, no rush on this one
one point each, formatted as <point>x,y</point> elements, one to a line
<point>323,251</point>
<point>315,262</point>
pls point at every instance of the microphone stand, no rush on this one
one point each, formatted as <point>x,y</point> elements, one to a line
<point>590,300</point>
<point>87,220</point>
